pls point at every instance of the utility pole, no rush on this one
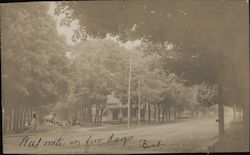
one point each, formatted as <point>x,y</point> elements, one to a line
<point>139,102</point>
<point>221,111</point>
<point>129,83</point>
<point>220,98</point>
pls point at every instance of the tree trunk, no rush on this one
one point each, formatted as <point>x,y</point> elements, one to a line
<point>169,112</point>
<point>166,115</point>
<point>82,113</point>
<point>5,120</point>
<point>22,117</point>
<point>14,118</point>
<point>146,112</point>
<point>5,117</point>
<point>90,114</point>
<point>77,112</point>
<point>26,116</point>
<point>179,112</point>
<point>19,117</point>
<point>86,114</point>
<point>28,113</point>
<point>159,113</point>
<point>11,120</point>
<point>30,116</point>
<point>163,115</point>
<point>100,118</point>
<point>149,112</point>
<point>234,112</point>
<point>189,112</point>
<point>175,112</point>
<point>96,114</point>
<point>155,108</point>
<point>102,110</point>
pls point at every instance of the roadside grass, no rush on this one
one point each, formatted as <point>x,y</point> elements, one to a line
<point>233,140</point>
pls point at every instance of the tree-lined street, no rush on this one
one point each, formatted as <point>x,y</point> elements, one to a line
<point>162,76</point>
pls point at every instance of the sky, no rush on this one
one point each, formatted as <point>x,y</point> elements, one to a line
<point>66,31</point>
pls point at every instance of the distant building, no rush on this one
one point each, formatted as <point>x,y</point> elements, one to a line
<point>115,111</point>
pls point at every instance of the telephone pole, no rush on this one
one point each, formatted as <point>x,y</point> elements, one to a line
<point>220,97</point>
<point>139,102</point>
<point>221,112</point>
<point>129,83</point>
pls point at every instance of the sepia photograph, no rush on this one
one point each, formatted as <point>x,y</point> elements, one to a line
<point>125,76</point>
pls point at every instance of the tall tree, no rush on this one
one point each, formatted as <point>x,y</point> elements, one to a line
<point>34,65</point>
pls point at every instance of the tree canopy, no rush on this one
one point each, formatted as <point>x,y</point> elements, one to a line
<point>186,50</point>
<point>34,65</point>
<point>206,41</point>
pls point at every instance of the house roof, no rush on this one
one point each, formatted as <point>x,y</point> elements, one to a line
<point>113,100</point>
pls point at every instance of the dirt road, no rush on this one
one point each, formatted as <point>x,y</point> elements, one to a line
<point>186,136</point>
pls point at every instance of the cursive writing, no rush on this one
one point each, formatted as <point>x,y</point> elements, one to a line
<point>28,142</point>
<point>145,144</point>
<point>63,123</point>
<point>35,142</point>
<point>111,139</point>
<point>91,141</point>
